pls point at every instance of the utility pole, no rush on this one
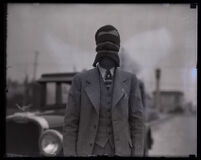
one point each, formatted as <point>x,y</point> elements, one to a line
<point>35,65</point>
<point>25,97</point>
<point>74,68</point>
<point>157,93</point>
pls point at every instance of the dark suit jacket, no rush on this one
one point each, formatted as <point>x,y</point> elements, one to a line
<point>82,115</point>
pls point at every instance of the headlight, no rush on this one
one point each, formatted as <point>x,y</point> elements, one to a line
<point>50,143</point>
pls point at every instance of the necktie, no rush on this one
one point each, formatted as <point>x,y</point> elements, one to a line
<point>108,79</point>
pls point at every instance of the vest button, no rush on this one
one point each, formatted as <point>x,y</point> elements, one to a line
<point>90,144</point>
<point>108,102</point>
<point>94,126</point>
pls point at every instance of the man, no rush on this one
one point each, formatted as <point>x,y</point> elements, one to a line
<point>104,113</point>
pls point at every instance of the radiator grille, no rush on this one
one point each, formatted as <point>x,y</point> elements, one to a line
<point>22,138</point>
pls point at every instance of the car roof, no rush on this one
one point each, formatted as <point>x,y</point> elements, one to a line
<point>57,77</point>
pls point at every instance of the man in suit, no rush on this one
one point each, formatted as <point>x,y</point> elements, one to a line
<point>104,113</point>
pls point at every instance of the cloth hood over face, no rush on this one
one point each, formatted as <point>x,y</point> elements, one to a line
<point>107,44</point>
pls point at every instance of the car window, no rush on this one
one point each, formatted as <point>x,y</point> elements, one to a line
<point>51,93</point>
<point>65,90</point>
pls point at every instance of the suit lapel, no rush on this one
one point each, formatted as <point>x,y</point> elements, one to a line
<point>118,91</point>
<point>93,88</point>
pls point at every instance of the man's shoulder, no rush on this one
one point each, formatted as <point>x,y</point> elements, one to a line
<point>127,74</point>
<point>84,74</point>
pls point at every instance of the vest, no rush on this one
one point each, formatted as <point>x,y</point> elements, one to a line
<point>105,130</point>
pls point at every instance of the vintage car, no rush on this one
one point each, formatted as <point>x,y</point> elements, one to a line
<point>37,131</point>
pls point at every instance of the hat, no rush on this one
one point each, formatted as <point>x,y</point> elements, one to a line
<point>107,44</point>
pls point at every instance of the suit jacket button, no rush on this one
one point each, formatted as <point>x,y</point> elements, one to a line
<point>108,102</point>
<point>94,126</point>
<point>117,139</point>
<point>90,144</point>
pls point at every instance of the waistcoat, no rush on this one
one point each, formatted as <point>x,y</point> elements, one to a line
<point>105,131</point>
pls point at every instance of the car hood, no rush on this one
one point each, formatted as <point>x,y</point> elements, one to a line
<point>54,121</point>
<point>50,120</point>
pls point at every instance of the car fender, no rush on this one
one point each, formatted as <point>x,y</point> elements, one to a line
<point>27,116</point>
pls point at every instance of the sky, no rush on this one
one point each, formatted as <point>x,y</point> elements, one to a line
<point>152,35</point>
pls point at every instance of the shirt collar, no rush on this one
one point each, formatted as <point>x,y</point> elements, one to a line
<point>103,70</point>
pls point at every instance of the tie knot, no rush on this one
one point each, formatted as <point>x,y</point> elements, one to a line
<point>108,75</point>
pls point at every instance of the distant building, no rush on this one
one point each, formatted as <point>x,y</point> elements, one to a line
<point>170,100</point>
